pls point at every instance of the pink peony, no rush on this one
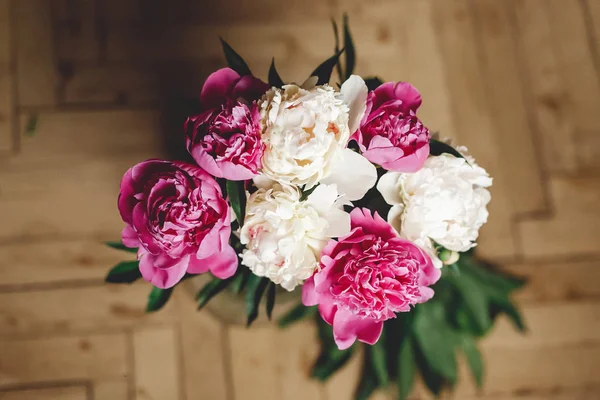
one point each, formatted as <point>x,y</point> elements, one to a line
<point>176,215</point>
<point>390,133</point>
<point>366,277</point>
<point>224,138</point>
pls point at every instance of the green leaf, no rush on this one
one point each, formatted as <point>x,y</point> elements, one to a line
<point>505,306</point>
<point>121,246</point>
<point>234,60</point>
<point>491,276</point>
<point>406,368</point>
<point>337,48</point>
<point>323,71</point>
<point>435,339</point>
<point>367,384</point>
<point>158,298</point>
<point>330,360</point>
<point>473,358</point>
<point>437,148</point>
<point>240,280</point>
<point>254,291</point>
<point>296,314</point>
<point>474,297</point>
<point>124,272</point>
<point>373,82</point>
<point>465,321</point>
<point>378,362</point>
<point>210,290</point>
<point>274,78</point>
<point>31,126</point>
<point>270,299</point>
<point>237,197</point>
<point>349,46</point>
<point>433,380</point>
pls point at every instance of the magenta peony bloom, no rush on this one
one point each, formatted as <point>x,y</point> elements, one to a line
<point>224,138</point>
<point>390,133</point>
<point>176,215</point>
<point>366,277</point>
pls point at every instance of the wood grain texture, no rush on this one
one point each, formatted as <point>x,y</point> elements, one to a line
<point>516,81</point>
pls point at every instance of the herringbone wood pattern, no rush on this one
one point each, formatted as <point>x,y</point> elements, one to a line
<point>517,81</point>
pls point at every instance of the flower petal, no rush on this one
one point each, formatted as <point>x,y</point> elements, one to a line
<point>354,93</point>
<point>222,264</point>
<point>339,223</point>
<point>348,327</point>
<point>389,188</point>
<point>310,297</point>
<point>162,278</point>
<point>353,174</point>
<point>217,86</point>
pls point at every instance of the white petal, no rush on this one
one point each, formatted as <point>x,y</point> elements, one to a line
<point>354,93</point>
<point>389,188</point>
<point>263,182</point>
<point>395,217</point>
<point>323,198</point>
<point>339,223</point>
<point>353,174</point>
<point>310,83</point>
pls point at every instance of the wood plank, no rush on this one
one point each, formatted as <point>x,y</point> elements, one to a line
<point>78,309</point>
<point>77,31</point>
<point>578,69</point>
<point>48,393</point>
<point>88,357</point>
<point>6,79</point>
<point>558,281</point>
<point>472,117</point>
<point>572,229</point>
<point>555,128</point>
<point>37,79</point>
<point>268,363</point>
<point>592,393</point>
<point>110,390</point>
<point>505,90</point>
<point>156,365</point>
<point>204,368</point>
<point>58,261</point>
<point>593,15</point>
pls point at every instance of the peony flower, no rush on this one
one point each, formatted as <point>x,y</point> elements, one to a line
<point>366,277</point>
<point>224,139</point>
<point>444,202</point>
<point>176,215</point>
<point>390,133</point>
<point>306,131</point>
<point>284,236</point>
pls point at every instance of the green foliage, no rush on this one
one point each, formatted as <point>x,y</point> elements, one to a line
<point>124,272</point>
<point>158,298</point>
<point>406,368</point>
<point>274,78</point>
<point>254,291</point>
<point>270,299</point>
<point>437,148</point>
<point>473,358</point>
<point>31,126</point>
<point>350,52</point>
<point>234,60</point>
<point>210,290</point>
<point>299,312</point>
<point>373,82</point>
<point>324,70</point>
<point>237,198</point>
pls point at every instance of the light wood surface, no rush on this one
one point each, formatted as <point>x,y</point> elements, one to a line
<point>517,81</point>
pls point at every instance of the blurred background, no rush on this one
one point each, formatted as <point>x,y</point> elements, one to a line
<point>517,81</point>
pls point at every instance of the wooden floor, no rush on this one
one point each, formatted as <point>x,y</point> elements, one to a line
<point>517,81</point>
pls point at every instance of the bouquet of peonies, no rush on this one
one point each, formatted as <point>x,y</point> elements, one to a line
<point>337,190</point>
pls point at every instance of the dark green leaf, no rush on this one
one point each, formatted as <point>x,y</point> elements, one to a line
<point>435,339</point>
<point>474,297</point>
<point>296,314</point>
<point>367,384</point>
<point>373,82</point>
<point>330,360</point>
<point>234,60</point>
<point>466,322</point>
<point>489,275</point>
<point>255,288</point>
<point>323,71</point>
<point>437,148</point>
<point>505,306</point>
<point>121,246</point>
<point>270,299</point>
<point>274,78</point>
<point>237,197</point>
<point>433,380</point>
<point>349,46</point>
<point>406,368</point>
<point>337,48</point>
<point>31,126</point>
<point>124,272</point>
<point>158,298</point>
<point>473,358</point>
<point>210,290</point>
<point>240,279</point>
<point>378,362</point>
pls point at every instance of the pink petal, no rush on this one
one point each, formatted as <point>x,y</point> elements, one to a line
<point>235,172</point>
<point>217,86</point>
<point>223,264</point>
<point>129,237</point>
<point>162,278</point>
<point>327,311</point>
<point>348,327</point>
<point>310,297</point>
<point>205,161</point>
<point>410,163</point>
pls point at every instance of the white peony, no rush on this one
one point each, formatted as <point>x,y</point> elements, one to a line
<point>284,236</point>
<point>306,131</point>
<point>445,201</point>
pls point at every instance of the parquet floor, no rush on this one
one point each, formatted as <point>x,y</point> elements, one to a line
<point>517,81</point>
